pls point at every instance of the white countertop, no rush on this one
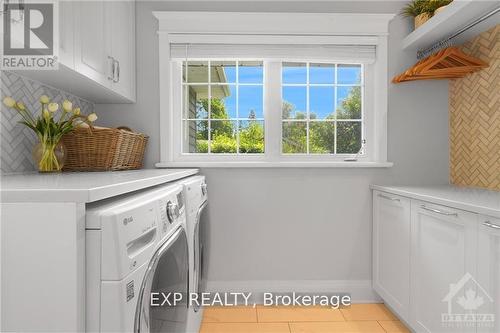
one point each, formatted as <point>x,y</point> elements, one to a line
<point>83,187</point>
<point>476,200</point>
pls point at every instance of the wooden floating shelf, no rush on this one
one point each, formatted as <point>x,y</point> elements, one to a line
<point>455,16</point>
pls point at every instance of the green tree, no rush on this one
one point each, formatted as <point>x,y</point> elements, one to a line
<point>252,138</point>
<point>350,108</point>
<point>322,134</point>
<point>217,111</point>
<point>251,115</point>
<point>349,133</point>
<point>223,133</point>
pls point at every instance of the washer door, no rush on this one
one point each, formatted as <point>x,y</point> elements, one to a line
<point>166,273</point>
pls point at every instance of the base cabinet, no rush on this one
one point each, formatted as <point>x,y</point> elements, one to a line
<point>391,250</point>
<point>488,275</point>
<point>442,247</point>
<point>436,266</point>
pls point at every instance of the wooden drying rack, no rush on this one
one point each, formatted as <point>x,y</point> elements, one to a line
<point>448,63</point>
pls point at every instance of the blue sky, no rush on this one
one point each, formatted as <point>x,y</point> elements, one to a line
<point>321,98</point>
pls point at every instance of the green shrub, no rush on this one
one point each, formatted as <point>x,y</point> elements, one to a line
<point>223,144</point>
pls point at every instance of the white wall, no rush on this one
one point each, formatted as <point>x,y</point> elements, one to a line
<point>300,224</point>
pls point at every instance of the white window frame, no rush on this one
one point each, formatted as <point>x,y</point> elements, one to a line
<point>240,28</point>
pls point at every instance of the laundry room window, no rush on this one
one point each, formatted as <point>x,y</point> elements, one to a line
<point>322,108</point>
<point>223,107</point>
<point>231,96</point>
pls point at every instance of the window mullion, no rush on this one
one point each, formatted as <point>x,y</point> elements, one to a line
<point>209,116</point>
<point>237,86</point>
<point>335,108</point>
<point>307,108</point>
<point>272,109</point>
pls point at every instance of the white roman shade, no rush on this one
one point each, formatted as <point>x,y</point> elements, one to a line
<point>331,53</point>
<point>365,54</point>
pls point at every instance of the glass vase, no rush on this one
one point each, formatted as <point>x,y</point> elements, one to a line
<point>49,156</point>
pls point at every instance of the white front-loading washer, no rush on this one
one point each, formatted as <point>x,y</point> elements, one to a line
<point>196,194</point>
<point>137,245</point>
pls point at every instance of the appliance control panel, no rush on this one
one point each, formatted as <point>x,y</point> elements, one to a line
<point>172,209</point>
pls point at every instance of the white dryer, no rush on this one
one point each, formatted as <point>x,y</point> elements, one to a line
<point>196,194</point>
<point>136,245</point>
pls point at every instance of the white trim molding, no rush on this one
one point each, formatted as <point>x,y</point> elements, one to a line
<point>344,24</point>
<point>273,28</point>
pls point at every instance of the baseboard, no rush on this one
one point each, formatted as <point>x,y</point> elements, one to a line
<point>361,291</point>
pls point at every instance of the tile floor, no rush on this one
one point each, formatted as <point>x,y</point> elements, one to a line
<point>359,318</point>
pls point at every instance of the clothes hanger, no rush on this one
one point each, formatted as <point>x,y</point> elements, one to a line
<point>448,63</point>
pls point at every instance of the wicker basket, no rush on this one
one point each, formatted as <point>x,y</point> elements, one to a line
<point>104,149</point>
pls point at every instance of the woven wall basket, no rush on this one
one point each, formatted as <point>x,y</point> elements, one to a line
<point>104,149</point>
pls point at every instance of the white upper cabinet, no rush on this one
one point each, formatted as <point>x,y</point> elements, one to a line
<point>443,249</point>
<point>91,41</point>
<point>391,250</point>
<point>66,33</point>
<point>122,41</point>
<point>105,45</point>
<point>96,51</point>
<point>488,274</point>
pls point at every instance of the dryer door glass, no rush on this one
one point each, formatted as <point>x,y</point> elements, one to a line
<point>199,255</point>
<point>166,277</point>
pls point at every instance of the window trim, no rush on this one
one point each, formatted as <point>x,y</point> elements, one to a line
<point>346,29</point>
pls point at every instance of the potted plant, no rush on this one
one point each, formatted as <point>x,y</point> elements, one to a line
<point>49,154</point>
<point>437,6</point>
<point>423,10</point>
<point>418,10</point>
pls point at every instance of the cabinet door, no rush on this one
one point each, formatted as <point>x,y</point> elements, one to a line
<point>121,22</point>
<point>489,274</point>
<point>391,250</point>
<point>443,254</point>
<point>91,41</point>
<point>66,34</point>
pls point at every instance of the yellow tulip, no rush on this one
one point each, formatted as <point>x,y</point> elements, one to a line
<point>44,99</point>
<point>9,102</point>
<point>46,114</point>
<point>76,111</point>
<point>92,117</point>
<point>67,105</point>
<point>53,107</point>
<point>21,106</point>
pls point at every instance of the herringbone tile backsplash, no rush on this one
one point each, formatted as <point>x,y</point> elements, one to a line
<point>475,117</point>
<point>17,141</point>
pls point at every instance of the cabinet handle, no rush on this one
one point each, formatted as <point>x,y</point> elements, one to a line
<point>437,211</point>
<point>389,198</point>
<point>118,73</point>
<point>112,76</point>
<point>116,78</point>
<point>491,225</point>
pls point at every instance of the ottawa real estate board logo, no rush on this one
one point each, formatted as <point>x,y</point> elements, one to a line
<point>30,35</point>
<point>469,306</point>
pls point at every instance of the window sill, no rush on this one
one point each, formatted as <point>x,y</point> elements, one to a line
<point>286,164</point>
